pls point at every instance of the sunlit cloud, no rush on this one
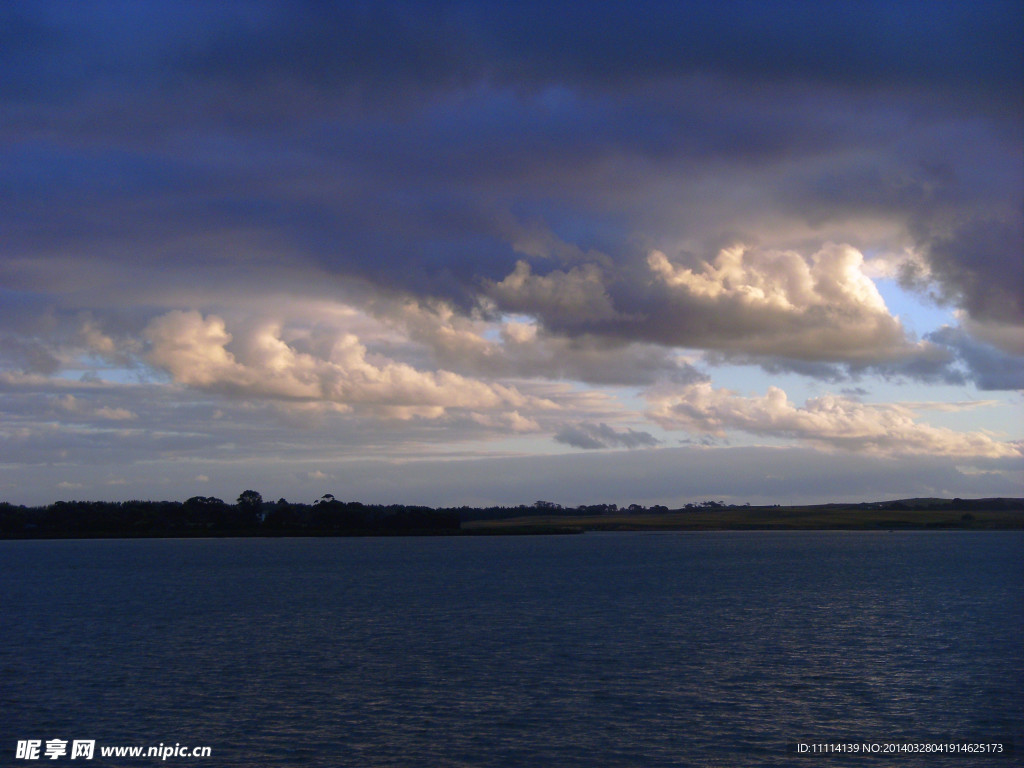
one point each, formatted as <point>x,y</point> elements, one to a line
<point>828,421</point>
<point>193,349</point>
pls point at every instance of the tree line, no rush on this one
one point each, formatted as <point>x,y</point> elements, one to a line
<point>211,516</point>
<point>251,515</point>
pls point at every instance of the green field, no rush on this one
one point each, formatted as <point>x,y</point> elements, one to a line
<point>819,517</point>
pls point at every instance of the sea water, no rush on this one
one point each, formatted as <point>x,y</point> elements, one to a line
<point>598,650</point>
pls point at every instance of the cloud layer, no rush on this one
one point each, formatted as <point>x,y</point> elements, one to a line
<point>829,421</point>
<point>506,227</point>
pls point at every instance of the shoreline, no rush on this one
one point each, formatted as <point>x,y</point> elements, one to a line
<point>148,520</point>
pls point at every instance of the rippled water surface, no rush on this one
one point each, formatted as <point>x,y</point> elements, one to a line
<point>600,650</point>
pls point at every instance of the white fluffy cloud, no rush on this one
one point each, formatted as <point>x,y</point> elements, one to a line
<point>779,280</point>
<point>775,305</point>
<point>829,422</point>
<point>780,303</point>
<point>195,351</point>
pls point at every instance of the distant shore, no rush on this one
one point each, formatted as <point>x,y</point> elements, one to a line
<point>209,517</point>
<point>794,518</point>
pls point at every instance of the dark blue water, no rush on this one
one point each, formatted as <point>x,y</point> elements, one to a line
<point>606,650</point>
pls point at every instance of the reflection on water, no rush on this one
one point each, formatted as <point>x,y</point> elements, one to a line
<point>623,649</point>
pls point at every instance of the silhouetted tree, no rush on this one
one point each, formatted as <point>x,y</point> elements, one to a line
<point>546,505</point>
<point>247,510</point>
<point>250,500</point>
<point>200,501</point>
<point>205,512</point>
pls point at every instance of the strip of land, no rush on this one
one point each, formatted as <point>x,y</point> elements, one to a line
<point>251,516</point>
<point>973,514</point>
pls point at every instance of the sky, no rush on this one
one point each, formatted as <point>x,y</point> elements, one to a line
<point>490,252</point>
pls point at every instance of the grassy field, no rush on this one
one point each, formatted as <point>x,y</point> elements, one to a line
<point>823,517</point>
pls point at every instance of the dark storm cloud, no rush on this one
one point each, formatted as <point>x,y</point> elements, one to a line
<point>423,145</point>
<point>980,267</point>
<point>950,355</point>
<point>988,367</point>
<point>403,53</point>
<point>419,43</point>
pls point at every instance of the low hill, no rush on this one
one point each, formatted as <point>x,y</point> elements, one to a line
<point>974,514</point>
